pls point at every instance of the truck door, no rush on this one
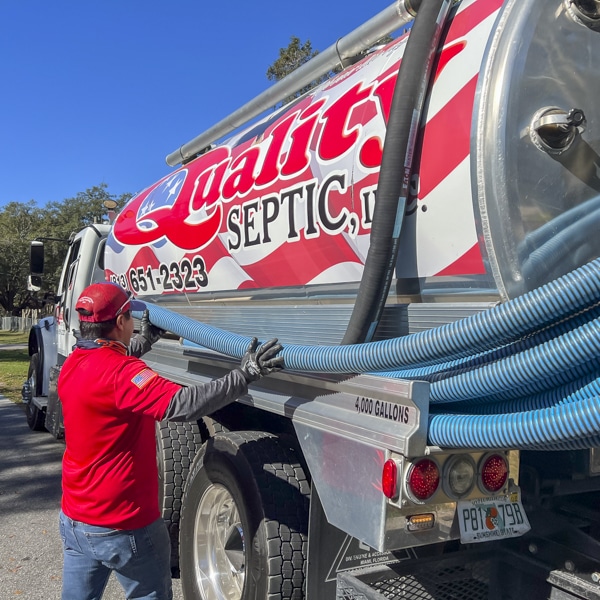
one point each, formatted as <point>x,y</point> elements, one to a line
<point>64,318</point>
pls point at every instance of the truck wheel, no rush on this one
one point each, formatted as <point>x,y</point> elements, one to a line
<point>244,521</point>
<point>35,417</point>
<point>209,428</point>
<point>212,427</point>
<point>176,446</point>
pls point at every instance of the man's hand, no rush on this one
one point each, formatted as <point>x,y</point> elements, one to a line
<point>258,362</point>
<point>151,332</point>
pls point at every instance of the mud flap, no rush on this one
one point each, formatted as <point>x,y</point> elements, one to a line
<point>332,551</point>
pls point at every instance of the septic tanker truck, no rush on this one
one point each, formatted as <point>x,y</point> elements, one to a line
<point>419,231</point>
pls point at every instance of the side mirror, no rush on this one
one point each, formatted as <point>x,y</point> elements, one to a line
<point>36,258</point>
<point>34,283</point>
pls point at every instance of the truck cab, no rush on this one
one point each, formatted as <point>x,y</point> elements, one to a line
<point>51,340</point>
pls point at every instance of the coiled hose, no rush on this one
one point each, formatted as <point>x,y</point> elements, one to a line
<point>536,357</point>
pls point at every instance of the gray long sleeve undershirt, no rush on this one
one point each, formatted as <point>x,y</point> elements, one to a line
<point>191,403</point>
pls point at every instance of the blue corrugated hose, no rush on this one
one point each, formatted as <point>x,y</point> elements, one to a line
<point>535,357</point>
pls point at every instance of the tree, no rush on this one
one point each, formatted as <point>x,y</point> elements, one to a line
<point>69,216</point>
<point>20,224</point>
<point>86,208</point>
<point>290,58</point>
<point>295,55</point>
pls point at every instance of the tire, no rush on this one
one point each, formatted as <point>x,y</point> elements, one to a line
<point>244,521</point>
<point>176,446</point>
<point>35,417</point>
<point>212,427</point>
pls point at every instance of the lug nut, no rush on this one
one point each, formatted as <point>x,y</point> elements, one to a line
<point>570,566</point>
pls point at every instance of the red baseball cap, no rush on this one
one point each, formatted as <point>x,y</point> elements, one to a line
<point>105,301</point>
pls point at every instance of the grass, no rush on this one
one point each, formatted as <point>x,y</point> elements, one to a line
<point>14,364</point>
<point>14,337</point>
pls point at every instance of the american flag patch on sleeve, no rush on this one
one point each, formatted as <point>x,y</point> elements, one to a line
<point>144,377</point>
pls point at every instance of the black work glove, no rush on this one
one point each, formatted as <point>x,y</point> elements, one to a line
<point>261,361</point>
<point>151,332</point>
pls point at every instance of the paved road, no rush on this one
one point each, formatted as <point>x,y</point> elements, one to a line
<point>30,547</point>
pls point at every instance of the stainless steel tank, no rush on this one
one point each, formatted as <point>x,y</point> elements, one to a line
<point>503,195</point>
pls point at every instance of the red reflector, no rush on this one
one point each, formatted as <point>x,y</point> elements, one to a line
<point>423,479</point>
<point>389,478</point>
<point>494,473</point>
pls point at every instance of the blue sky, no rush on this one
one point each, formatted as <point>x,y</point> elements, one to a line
<point>101,91</point>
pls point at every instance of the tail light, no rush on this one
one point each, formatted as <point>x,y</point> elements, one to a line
<point>423,479</point>
<point>493,472</point>
<point>389,479</point>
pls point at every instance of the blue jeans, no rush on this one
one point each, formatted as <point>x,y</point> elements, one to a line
<point>140,559</point>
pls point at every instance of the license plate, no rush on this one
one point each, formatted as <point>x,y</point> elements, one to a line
<point>488,519</point>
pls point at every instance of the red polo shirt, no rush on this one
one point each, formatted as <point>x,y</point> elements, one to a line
<point>110,404</point>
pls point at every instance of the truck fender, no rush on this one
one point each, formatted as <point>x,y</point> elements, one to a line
<point>36,417</point>
<point>42,341</point>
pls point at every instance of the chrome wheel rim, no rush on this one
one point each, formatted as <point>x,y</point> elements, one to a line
<point>219,548</point>
<point>32,385</point>
<point>29,405</point>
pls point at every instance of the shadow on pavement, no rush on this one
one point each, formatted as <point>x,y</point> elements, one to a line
<point>30,464</point>
<point>30,493</point>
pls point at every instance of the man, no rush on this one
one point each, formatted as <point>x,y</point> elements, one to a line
<point>110,519</point>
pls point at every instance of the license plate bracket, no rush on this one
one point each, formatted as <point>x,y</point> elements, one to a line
<point>489,519</point>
